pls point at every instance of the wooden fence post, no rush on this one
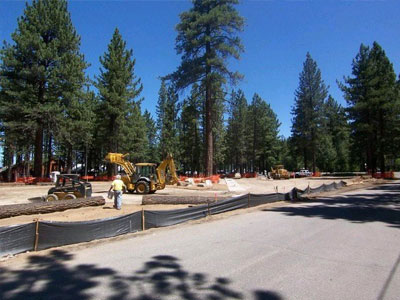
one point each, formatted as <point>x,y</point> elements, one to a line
<point>143,221</point>
<point>208,208</point>
<point>248,200</point>
<point>35,246</point>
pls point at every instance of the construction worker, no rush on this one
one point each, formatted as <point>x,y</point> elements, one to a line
<point>117,186</point>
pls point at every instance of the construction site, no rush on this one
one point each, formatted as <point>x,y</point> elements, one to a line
<point>189,192</point>
<point>72,210</point>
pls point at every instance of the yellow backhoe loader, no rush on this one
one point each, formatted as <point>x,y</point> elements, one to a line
<point>279,172</point>
<point>145,178</point>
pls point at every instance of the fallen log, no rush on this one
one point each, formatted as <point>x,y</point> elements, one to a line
<point>7,211</point>
<point>161,199</point>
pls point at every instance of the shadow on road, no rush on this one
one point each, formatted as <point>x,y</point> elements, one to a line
<point>359,208</point>
<point>52,277</point>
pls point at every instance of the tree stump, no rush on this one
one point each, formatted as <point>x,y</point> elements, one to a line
<point>7,211</point>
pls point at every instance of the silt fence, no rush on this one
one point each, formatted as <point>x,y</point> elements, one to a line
<point>40,235</point>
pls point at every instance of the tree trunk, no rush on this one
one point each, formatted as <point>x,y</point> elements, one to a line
<point>7,211</point>
<point>38,156</point>
<point>49,155</point>
<point>209,159</point>
<point>9,162</point>
<point>26,162</point>
<point>209,132</point>
<point>382,142</point>
<point>305,158</point>
<point>69,159</point>
<point>313,146</point>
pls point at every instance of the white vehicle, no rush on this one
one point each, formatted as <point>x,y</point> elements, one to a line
<point>303,173</point>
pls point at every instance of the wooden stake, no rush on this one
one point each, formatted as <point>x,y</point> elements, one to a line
<point>36,235</point>
<point>248,200</point>
<point>208,205</point>
<point>143,221</point>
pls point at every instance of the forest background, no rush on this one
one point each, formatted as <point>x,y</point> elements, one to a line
<point>79,116</point>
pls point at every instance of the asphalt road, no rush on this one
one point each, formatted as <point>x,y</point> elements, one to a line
<point>342,247</point>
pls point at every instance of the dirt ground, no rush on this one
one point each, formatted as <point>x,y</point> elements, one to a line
<point>18,194</point>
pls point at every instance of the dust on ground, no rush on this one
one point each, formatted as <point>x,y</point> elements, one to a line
<point>18,194</point>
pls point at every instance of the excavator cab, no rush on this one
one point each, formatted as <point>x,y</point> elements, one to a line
<point>145,169</point>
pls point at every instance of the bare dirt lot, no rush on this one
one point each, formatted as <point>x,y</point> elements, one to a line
<point>18,194</point>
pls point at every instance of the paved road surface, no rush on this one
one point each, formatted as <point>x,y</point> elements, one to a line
<point>345,247</point>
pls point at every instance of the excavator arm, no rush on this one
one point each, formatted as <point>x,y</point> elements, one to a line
<point>119,159</point>
<point>171,177</point>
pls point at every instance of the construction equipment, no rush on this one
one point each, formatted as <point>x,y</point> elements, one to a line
<point>145,178</point>
<point>279,172</point>
<point>68,186</point>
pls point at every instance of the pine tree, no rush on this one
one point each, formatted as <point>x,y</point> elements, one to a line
<point>335,147</point>
<point>263,134</point>
<point>219,133</point>
<point>308,112</point>
<point>269,146</point>
<point>160,110</point>
<point>151,132</point>
<point>134,135</point>
<point>167,121</point>
<point>206,39</point>
<point>121,122</point>
<point>286,155</point>
<point>40,68</point>
<point>75,131</point>
<point>237,132</point>
<point>190,134</point>
<point>371,95</point>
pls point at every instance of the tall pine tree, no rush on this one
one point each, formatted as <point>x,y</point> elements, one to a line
<point>308,112</point>
<point>373,106</point>
<point>121,121</point>
<point>207,37</point>
<point>41,69</point>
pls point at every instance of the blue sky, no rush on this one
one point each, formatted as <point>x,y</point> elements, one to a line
<point>277,36</point>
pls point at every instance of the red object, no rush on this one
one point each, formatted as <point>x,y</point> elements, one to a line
<point>385,175</point>
<point>199,179</point>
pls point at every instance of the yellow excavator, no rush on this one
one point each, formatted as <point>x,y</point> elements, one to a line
<point>145,178</point>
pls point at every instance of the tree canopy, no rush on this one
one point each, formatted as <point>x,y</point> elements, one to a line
<point>371,94</point>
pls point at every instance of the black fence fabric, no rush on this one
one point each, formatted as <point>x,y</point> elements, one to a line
<point>21,238</point>
<point>162,218</point>
<point>322,188</point>
<point>229,204</point>
<point>17,238</point>
<point>260,199</point>
<point>53,234</point>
